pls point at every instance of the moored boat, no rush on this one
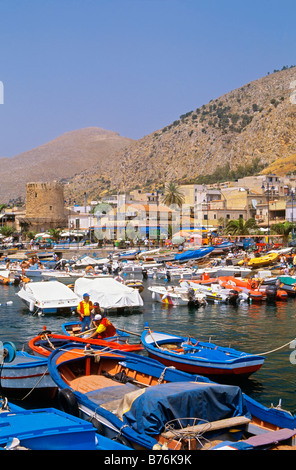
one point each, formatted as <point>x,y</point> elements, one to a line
<point>197,357</point>
<point>264,260</point>
<point>48,429</point>
<point>174,295</point>
<point>130,396</point>
<point>194,254</point>
<point>288,284</point>
<point>214,292</point>
<point>145,405</point>
<point>44,343</point>
<point>25,374</point>
<point>9,278</point>
<point>48,297</point>
<point>111,294</point>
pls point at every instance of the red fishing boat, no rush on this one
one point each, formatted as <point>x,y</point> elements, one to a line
<point>46,342</point>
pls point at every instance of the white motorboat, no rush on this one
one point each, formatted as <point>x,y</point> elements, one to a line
<point>48,297</point>
<point>215,293</point>
<point>110,293</point>
<point>175,295</point>
<point>89,261</point>
<point>170,274</point>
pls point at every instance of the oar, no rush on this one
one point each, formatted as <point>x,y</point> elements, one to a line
<point>129,332</point>
<point>84,332</point>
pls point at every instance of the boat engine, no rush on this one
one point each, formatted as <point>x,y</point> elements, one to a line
<point>233,297</point>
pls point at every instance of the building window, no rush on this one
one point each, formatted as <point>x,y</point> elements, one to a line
<point>50,208</point>
<point>227,216</point>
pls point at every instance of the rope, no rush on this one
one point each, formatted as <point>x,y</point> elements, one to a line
<point>276,349</point>
<point>36,385</point>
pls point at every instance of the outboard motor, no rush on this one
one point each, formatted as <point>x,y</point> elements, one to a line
<point>191,297</point>
<point>271,291</point>
<point>233,297</point>
<point>145,273</point>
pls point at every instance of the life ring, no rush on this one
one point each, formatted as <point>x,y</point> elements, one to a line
<point>67,402</point>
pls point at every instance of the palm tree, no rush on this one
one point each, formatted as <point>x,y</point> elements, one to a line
<point>173,195</point>
<point>55,233</point>
<point>283,229</point>
<point>7,230</point>
<point>240,227</point>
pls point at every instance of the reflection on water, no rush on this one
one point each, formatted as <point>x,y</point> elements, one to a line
<point>255,328</point>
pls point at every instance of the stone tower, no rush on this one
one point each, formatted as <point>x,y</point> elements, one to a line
<point>45,206</point>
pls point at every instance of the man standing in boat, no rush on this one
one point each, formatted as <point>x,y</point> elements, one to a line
<point>84,309</point>
<point>104,328</point>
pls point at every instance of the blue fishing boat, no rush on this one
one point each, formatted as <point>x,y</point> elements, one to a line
<point>144,405</point>
<point>194,254</point>
<point>24,374</point>
<point>48,429</point>
<point>197,357</point>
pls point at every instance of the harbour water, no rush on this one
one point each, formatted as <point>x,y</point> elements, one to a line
<point>254,328</point>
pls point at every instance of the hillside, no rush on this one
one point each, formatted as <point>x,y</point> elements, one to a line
<point>59,159</point>
<point>256,121</point>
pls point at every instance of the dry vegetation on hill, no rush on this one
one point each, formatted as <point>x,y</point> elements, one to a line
<point>248,130</point>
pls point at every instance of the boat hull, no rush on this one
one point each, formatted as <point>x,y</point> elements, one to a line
<point>242,371</point>
<point>196,357</point>
<point>27,374</point>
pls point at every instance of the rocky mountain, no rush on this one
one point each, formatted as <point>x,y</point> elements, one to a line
<point>59,159</point>
<point>254,122</point>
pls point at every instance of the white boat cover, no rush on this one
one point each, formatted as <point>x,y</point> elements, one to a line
<point>51,291</point>
<point>88,261</point>
<point>108,292</point>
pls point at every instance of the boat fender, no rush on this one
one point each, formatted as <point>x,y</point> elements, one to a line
<point>31,306</point>
<point>67,402</point>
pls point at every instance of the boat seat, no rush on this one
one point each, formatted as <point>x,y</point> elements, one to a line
<point>271,437</point>
<point>214,426</point>
<point>88,383</point>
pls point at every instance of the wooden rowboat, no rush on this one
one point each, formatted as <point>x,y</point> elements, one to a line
<point>144,405</point>
<point>197,357</point>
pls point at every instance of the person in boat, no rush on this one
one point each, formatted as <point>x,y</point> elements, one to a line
<point>97,310</point>
<point>104,328</point>
<point>118,278</point>
<point>84,309</point>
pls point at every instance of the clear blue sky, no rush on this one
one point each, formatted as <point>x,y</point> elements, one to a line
<point>131,66</point>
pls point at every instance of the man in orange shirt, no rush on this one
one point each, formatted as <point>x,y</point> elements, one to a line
<point>104,328</point>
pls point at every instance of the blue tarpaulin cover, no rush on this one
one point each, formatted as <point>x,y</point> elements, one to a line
<point>192,254</point>
<point>162,403</point>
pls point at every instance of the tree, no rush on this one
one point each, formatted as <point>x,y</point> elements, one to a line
<point>240,227</point>
<point>7,230</point>
<point>283,229</point>
<point>55,233</point>
<point>173,195</point>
